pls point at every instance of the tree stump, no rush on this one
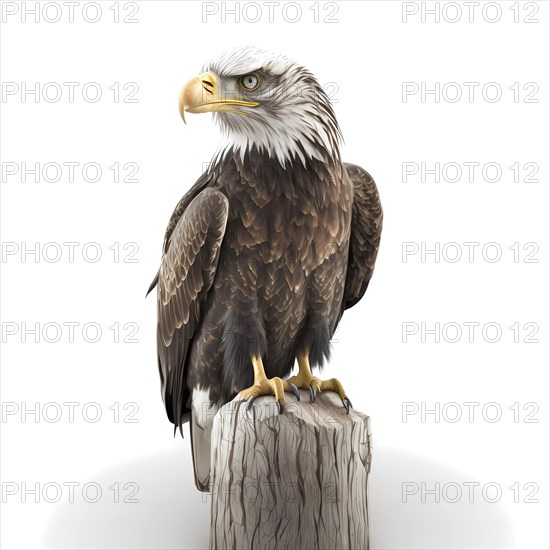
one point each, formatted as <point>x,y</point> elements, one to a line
<point>296,480</point>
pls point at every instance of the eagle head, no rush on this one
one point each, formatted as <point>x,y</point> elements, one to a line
<point>265,101</point>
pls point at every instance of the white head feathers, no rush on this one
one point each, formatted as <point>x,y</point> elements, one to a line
<point>294,118</point>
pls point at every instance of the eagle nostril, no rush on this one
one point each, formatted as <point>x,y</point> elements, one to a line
<point>208,86</point>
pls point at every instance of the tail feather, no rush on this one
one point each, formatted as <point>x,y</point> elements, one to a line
<point>200,446</point>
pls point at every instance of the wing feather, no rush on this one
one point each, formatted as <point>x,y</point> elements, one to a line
<point>185,277</point>
<point>366,228</point>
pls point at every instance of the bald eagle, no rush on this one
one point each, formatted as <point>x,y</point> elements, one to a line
<point>265,252</point>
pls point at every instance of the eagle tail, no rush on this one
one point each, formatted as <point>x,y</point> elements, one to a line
<point>200,448</point>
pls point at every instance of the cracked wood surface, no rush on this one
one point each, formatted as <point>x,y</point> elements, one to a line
<point>298,480</point>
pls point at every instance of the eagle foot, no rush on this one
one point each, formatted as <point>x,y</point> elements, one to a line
<point>315,385</point>
<point>267,386</point>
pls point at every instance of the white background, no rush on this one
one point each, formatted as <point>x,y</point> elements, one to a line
<point>363,58</point>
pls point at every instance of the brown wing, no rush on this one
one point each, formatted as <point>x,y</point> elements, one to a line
<point>184,202</point>
<point>366,227</point>
<point>185,277</point>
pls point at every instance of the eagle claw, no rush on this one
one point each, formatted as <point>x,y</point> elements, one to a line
<point>264,386</point>
<point>306,381</point>
<point>295,391</point>
<point>249,404</point>
<point>347,404</point>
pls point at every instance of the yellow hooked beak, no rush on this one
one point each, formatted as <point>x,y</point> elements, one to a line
<point>203,94</point>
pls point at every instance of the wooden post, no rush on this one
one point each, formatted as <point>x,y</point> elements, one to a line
<point>296,480</point>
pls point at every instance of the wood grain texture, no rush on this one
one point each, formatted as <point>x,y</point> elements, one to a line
<point>296,480</point>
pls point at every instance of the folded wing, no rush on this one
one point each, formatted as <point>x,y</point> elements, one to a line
<point>185,278</point>
<point>366,228</point>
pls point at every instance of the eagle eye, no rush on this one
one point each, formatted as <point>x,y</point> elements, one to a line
<point>249,82</point>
